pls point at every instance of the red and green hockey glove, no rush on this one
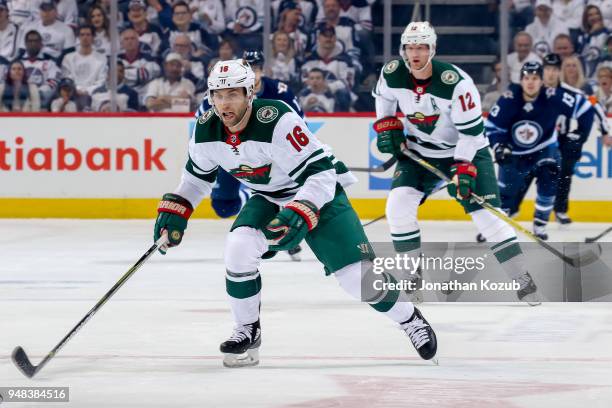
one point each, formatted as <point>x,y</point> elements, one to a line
<point>291,225</point>
<point>463,175</point>
<point>390,131</point>
<point>173,212</point>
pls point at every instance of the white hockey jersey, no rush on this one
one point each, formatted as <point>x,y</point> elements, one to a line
<point>443,117</point>
<point>276,156</point>
<point>88,71</point>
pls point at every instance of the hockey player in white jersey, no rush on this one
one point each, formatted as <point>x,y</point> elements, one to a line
<point>296,196</point>
<point>444,125</point>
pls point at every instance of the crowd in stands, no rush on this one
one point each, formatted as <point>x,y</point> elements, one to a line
<point>54,54</point>
<point>580,31</point>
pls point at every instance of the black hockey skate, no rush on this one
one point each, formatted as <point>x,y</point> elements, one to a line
<point>242,348</point>
<point>294,253</point>
<point>421,335</point>
<point>562,218</point>
<point>528,291</point>
<point>480,238</point>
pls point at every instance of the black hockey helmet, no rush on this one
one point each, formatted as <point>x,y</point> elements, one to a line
<point>552,59</point>
<point>532,68</point>
<point>253,57</point>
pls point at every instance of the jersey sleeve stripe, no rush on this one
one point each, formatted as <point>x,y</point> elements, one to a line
<point>208,176</point>
<point>318,166</point>
<point>300,167</point>
<point>468,122</point>
<point>468,125</point>
<point>473,131</point>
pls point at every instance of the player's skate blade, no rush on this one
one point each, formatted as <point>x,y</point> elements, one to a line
<point>529,291</point>
<point>242,348</point>
<point>421,335</point>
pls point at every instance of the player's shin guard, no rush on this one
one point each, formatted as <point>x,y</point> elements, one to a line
<point>543,208</point>
<point>504,245</point>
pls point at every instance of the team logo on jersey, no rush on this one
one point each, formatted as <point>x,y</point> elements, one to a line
<point>391,67</point>
<point>425,123</point>
<point>253,175</point>
<point>202,119</point>
<point>267,114</point>
<point>246,16</point>
<point>526,133</point>
<point>449,77</point>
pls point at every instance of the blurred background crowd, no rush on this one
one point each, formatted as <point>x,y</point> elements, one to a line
<point>54,54</point>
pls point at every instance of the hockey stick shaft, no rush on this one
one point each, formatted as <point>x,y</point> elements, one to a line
<point>378,169</point>
<point>481,201</point>
<point>593,239</point>
<point>161,241</point>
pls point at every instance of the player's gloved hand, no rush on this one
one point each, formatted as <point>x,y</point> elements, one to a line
<point>173,212</point>
<point>463,175</point>
<point>390,132</point>
<point>502,152</point>
<point>291,225</point>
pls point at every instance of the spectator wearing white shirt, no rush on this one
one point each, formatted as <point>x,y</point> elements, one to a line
<point>606,10</point>
<point>172,92</point>
<point>545,28</point>
<point>193,67</point>
<point>9,33</point>
<point>570,13</point>
<point>523,53</point>
<point>210,14</point>
<point>68,12</point>
<point>316,95</point>
<point>65,101</point>
<point>58,38</point>
<point>97,18</point>
<point>86,67</point>
<point>244,18</point>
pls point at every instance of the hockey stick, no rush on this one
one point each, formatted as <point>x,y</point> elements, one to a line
<point>382,217</point>
<point>593,239</point>
<point>19,355</point>
<point>378,169</point>
<point>581,259</point>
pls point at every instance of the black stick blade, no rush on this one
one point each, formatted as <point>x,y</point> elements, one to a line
<point>22,362</point>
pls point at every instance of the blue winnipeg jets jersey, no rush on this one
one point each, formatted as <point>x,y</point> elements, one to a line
<point>531,126</point>
<point>270,89</point>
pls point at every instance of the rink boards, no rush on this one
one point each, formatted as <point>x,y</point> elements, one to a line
<point>117,166</point>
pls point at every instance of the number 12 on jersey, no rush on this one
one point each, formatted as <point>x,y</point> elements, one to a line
<point>470,103</point>
<point>297,138</point>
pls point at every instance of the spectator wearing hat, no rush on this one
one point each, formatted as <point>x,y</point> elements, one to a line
<point>16,93</point>
<point>203,44</point>
<point>140,68</point>
<point>172,92</point>
<point>330,57</point>
<point>9,33</point>
<point>58,38</point>
<point>85,67</point>
<point>65,101</point>
<point>290,17</point>
<point>149,35</point>
<point>592,40</point>
<point>545,28</point>
<point>344,28</point>
<point>244,20</point>
<point>41,68</point>
<point>127,98</point>
<point>523,45</point>
<point>210,14</point>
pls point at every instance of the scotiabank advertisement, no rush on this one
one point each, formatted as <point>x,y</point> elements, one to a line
<point>142,157</point>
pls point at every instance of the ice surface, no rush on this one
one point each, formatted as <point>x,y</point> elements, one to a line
<point>155,344</point>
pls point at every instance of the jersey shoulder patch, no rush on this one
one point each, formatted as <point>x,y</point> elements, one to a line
<point>264,117</point>
<point>444,78</point>
<point>396,74</point>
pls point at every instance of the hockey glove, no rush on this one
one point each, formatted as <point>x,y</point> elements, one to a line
<point>390,132</point>
<point>502,152</point>
<point>172,215</point>
<point>463,175</point>
<point>291,225</point>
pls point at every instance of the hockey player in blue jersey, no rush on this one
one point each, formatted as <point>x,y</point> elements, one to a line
<point>570,144</point>
<point>522,129</point>
<point>227,196</point>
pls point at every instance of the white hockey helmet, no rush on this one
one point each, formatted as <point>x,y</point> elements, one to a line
<point>235,73</point>
<point>418,32</point>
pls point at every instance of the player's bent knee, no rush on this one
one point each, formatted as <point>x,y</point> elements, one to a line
<point>243,249</point>
<point>349,279</point>
<point>401,209</point>
<point>491,227</point>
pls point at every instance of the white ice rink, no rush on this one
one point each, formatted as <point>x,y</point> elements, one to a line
<point>155,344</point>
